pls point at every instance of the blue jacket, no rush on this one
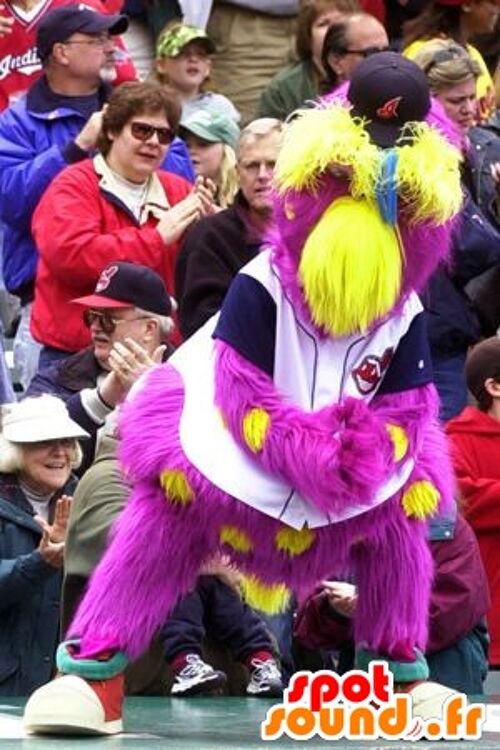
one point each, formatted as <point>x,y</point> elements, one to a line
<point>36,143</point>
<point>29,596</point>
<point>452,321</point>
<point>483,152</point>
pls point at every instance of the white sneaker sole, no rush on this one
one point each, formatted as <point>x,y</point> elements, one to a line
<point>67,705</point>
<point>195,687</point>
<point>428,700</point>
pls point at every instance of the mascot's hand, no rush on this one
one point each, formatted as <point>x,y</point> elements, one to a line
<point>334,457</point>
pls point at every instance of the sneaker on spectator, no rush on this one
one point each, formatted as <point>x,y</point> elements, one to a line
<point>197,677</point>
<point>265,679</point>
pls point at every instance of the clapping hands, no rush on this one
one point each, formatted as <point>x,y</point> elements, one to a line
<point>51,545</point>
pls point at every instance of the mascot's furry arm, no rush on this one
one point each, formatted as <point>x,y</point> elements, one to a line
<point>339,454</point>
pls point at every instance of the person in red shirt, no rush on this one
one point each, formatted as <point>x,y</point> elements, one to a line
<point>117,206</point>
<point>475,441</point>
<point>20,65</point>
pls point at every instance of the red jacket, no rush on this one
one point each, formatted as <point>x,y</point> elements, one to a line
<point>475,440</point>
<point>459,599</point>
<point>78,230</point>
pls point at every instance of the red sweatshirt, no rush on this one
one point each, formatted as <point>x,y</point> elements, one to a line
<point>475,441</point>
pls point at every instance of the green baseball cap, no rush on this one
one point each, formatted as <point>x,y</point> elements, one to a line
<point>173,41</point>
<point>214,127</point>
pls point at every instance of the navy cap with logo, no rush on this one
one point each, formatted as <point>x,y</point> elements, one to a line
<point>59,24</point>
<point>129,285</point>
<point>388,91</point>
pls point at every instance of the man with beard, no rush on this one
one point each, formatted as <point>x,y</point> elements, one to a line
<point>128,316</point>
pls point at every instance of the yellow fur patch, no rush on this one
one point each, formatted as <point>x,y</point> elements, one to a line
<point>399,440</point>
<point>294,541</point>
<point>327,139</point>
<point>235,538</point>
<point>176,486</point>
<point>351,267</point>
<point>428,176</point>
<point>255,426</point>
<point>323,138</point>
<point>270,599</point>
<point>420,500</point>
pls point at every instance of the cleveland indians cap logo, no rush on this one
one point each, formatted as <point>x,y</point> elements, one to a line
<point>105,278</point>
<point>390,109</point>
<point>371,371</point>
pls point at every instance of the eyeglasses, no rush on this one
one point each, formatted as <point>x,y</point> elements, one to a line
<point>143,131</point>
<point>254,167</point>
<point>107,322</point>
<point>366,52</point>
<point>100,40</point>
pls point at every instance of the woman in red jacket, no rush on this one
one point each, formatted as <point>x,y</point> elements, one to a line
<point>116,207</point>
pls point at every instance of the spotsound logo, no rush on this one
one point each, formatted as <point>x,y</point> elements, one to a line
<point>363,706</point>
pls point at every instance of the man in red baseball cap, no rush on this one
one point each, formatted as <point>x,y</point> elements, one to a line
<point>128,316</point>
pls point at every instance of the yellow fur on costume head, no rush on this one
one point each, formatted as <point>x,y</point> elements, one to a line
<point>327,137</point>
<point>351,267</point>
<point>319,138</point>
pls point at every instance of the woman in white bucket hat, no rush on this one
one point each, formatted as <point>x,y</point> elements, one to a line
<point>38,451</point>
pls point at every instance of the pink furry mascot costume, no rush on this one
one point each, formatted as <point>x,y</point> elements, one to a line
<point>301,438</point>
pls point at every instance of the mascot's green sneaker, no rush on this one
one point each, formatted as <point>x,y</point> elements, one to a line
<point>87,699</point>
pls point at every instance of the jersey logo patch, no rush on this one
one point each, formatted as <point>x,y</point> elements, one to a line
<point>370,372</point>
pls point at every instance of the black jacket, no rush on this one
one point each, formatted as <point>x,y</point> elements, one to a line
<point>453,320</point>
<point>212,253</point>
<point>30,591</point>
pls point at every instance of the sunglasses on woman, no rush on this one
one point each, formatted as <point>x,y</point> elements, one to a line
<point>143,131</point>
<point>107,322</point>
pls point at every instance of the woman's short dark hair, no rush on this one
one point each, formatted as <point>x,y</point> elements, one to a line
<point>309,11</point>
<point>137,98</point>
<point>335,43</point>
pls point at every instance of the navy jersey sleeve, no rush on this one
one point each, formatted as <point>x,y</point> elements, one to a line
<point>411,365</point>
<point>248,322</point>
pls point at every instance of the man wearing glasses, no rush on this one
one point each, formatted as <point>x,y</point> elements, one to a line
<point>55,124</point>
<point>128,318</point>
<point>349,42</point>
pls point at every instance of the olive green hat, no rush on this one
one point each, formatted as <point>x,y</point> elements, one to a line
<point>173,40</point>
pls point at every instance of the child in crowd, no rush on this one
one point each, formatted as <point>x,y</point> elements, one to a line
<point>457,645</point>
<point>183,62</point>
<point>215,605</point>
<point>211,138</point>
<point>475,439</point>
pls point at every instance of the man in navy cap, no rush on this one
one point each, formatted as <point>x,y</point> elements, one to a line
<point>128,316</point>
<point>54,125</point>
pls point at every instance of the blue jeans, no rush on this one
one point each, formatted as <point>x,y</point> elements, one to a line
<point>449,379</point>
<point>281,626</point>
